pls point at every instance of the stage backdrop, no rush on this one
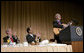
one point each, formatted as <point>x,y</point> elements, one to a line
<point>18,15</point>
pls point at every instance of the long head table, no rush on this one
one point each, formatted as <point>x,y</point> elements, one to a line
<point>66,48</point>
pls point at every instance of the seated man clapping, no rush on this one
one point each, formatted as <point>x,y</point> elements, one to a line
<point>10,38</point>
<point>30,37</point>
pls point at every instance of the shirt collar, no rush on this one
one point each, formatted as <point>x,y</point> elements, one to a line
<point>31,35</point>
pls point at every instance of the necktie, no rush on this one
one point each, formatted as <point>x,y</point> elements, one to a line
<point>11,38</point>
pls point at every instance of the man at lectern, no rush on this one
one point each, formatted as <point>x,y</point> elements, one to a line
<point>58,26</point>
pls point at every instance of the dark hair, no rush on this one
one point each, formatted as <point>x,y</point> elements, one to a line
<point>28,29</point>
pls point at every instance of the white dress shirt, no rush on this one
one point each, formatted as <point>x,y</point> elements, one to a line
<point>32,35</point>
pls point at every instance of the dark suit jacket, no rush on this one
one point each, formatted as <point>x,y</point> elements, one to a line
<point>16,40</point>
<point>7,37</point>
<point>56,25</point>
<point>29,38</point>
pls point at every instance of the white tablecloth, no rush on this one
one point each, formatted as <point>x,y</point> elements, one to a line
<point>38,48</point>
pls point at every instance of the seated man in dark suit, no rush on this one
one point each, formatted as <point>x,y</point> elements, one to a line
<point>30,37</point>
<point>9,39</point>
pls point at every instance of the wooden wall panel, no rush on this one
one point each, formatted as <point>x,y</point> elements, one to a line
<point>18,15</point>
<point>77,46</point>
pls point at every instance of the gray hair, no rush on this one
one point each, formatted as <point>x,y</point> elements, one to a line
<point>8,30</point>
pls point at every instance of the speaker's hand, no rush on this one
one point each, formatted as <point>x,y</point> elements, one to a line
<point>70,23</point>
<point>65,25</point>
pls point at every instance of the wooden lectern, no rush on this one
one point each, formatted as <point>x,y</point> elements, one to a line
<point>74,36</point>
